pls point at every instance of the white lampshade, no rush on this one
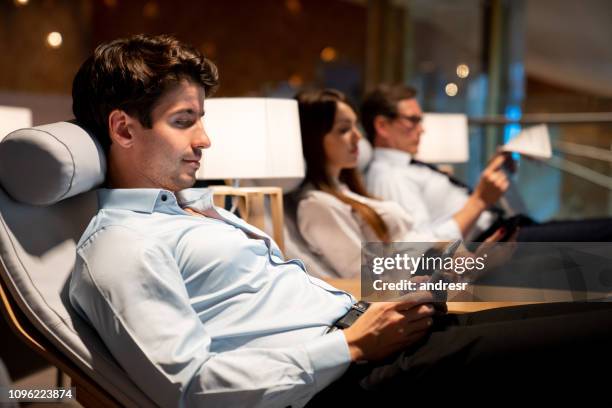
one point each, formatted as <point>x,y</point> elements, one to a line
<point>445,138</point>
<point>12,118</point>
<point>252,138</point>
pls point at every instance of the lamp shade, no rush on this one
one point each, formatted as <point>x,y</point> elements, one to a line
<point>12,118</point>
<point>445,138</point>
<point>252,138</point>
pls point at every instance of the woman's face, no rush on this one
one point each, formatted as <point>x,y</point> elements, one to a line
<point>340,144</point>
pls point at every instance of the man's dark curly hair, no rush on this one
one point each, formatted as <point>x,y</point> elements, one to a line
<point>131,74</point>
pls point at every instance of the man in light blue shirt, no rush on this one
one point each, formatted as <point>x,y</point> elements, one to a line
<point>197,306</point>
<point>201,309</point>
<point>201,297</point>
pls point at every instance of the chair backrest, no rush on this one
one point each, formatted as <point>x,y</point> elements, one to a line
<point>37,256</point>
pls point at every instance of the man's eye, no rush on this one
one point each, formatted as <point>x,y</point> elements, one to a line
<point>344,130</point>
<point>183,123</point>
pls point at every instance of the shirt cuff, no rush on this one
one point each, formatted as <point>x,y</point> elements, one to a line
<point>330,358</point>
<point>448,230</point>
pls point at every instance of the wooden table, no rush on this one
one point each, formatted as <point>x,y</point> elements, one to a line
<point>353,286</point>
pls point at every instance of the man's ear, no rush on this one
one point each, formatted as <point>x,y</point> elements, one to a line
<point>119,124</point>
<point>381,125</point>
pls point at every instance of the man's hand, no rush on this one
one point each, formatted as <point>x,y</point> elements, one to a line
<point>387,327</point>
<point>497,253</point>
<point>493,182</point>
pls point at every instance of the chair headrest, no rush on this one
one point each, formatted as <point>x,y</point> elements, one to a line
<point>365,154</point>
<point>45,164</point>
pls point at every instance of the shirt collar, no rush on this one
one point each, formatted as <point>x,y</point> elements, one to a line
<point>149,200</point>
<point>393,156</point>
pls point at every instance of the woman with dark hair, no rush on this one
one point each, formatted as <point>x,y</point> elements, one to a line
<point>335,213</point>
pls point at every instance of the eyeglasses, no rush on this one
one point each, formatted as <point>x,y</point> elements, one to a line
<point>413,119</point>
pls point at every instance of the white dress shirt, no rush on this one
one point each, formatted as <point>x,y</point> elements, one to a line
<point>334,231</point>
<point>204,311</point>
<point>428,196</point>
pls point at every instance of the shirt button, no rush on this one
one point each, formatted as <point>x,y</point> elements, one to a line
<point>164,197</point>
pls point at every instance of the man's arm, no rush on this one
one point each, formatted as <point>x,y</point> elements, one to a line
<point>130,289</point>
<point>492,184</point>
<point>395,186</point>
<point>388,327</point>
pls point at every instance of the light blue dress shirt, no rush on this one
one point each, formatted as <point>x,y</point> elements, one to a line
<point>204,311</point>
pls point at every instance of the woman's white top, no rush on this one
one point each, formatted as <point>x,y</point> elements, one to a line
<point>334,231</point>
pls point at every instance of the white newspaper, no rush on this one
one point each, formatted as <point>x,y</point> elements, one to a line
<point>533,142</point>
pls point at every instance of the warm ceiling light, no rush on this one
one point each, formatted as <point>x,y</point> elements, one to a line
<point>21,2</point>
<point>151,9</point>
<point>328,54</point>
<point>294,6</point>
<point>463,71</point>
<point>110,3</point>
<point>451,89</point>
<point>296,80</point>
<point>54,39</point>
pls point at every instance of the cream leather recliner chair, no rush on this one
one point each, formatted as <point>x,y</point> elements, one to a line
<point>46,177</point>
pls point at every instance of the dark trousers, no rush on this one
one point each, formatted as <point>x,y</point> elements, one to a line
<point>589,230</point>
<point>546,352</point>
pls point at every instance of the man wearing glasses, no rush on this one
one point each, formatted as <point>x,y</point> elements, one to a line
<point>392,120</point>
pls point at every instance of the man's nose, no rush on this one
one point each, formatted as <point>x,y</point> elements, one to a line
<point>420,129</point>
<point>201,139</point>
